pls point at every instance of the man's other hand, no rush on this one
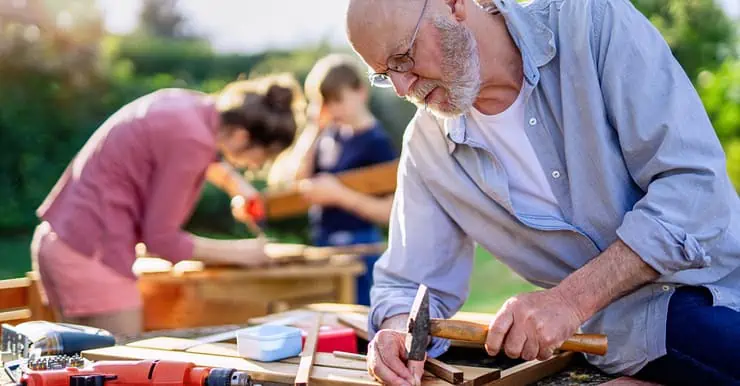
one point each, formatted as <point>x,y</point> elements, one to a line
<point>533,325</point>
<point>387,361</point>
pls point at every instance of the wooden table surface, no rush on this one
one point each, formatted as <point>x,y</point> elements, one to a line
<point>577,373</point>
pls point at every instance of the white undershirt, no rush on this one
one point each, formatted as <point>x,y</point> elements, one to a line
<point>504,134</point>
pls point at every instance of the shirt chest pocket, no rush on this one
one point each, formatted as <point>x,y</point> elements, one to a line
<point>484,170</point>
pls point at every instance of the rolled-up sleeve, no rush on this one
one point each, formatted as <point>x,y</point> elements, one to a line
<point>668,144</point>
<point>425,246</point>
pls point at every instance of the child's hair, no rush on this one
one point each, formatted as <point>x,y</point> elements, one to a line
<point>270,108</point>
<point>330,75</point>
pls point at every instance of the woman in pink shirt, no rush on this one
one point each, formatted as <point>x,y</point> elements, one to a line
<point>137,179</point>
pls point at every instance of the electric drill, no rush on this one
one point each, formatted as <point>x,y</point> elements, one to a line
<point>137,373</point>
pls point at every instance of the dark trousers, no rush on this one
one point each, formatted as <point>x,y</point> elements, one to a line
<point>702,341</point>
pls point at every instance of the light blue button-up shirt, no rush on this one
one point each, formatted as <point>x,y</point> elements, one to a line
<point>629,153</point>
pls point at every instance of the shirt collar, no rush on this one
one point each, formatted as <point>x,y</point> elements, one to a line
<point>454,129</point>
<point>535,40</point>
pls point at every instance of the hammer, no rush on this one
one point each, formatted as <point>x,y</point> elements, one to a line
<point>420,327</point>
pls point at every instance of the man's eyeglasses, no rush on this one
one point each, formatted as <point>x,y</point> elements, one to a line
<point>399,62</point>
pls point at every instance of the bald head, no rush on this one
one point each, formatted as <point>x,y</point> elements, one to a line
<point>444,76</point>
<point>383,26</point>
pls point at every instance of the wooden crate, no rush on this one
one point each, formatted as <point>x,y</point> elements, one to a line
<point>21,300</point>
<point>195,296</point>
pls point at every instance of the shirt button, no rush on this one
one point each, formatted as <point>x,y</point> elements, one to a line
<point>666,288</point>
<point>555,174</point>
<point>532,121</point>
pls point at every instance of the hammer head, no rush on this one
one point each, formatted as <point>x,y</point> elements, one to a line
<point>417,332</point>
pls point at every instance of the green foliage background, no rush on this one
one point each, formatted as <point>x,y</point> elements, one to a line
<point>57,86</point>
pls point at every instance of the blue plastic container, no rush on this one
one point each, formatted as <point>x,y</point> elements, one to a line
<point>269,343</point>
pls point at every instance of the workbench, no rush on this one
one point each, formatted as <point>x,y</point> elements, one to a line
<point>192,295</point>
<point>577,372</point>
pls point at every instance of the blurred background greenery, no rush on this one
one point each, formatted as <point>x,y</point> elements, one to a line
<point>59,80</point>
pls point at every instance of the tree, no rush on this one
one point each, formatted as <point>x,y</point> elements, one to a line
<point>699,32</point>
<point>163,19</point>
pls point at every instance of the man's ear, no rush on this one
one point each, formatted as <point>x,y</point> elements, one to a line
<point>458,8</point>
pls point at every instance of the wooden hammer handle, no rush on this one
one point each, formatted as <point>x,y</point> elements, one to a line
<point>477,333</point>
<point>595,344</point>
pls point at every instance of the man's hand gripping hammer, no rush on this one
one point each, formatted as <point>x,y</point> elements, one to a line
<point>420,327</point>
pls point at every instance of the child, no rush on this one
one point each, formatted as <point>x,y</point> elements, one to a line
<point>137,180</point>
<point>346,136</point>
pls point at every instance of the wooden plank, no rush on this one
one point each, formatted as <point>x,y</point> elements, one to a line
<point>321,358</point>
<point>307,355</point>
<point>434,366</point>
<point>533,371</point>
<point>290,271</point>
<point>472,375</point>
<point>16,316</point>
<point>447,372</point>
<point>259,371</point>
<point>476,375</point>
<point>338,308</point>
<point>14,293</point>
<point>329,360</point>
<point>349,355</point>
<point>313,254</point>
<point>377,179</point>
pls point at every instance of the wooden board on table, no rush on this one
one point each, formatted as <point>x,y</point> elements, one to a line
<point>327,369</point>
<point>524,373</point>
<point>148,268</point>
<point>375,180</point>
<point>259,371</point>
<point>282,253</point>
<point>355,316</point>
<point>437,371</point>
<point>309,349</point>
<point>230,350</point>
<point>533,371</point>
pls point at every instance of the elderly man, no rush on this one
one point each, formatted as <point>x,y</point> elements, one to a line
<point>563,137</point>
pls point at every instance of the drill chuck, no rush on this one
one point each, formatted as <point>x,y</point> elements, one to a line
<point>228,377</point>
<point>240,378</point>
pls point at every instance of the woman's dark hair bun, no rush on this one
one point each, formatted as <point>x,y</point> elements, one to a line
<point>270,108</point>
<point>279,99</point>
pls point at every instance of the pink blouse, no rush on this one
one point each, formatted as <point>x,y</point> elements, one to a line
<point>137,180</point>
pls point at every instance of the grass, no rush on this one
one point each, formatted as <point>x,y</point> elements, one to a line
<point>491,283</point>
